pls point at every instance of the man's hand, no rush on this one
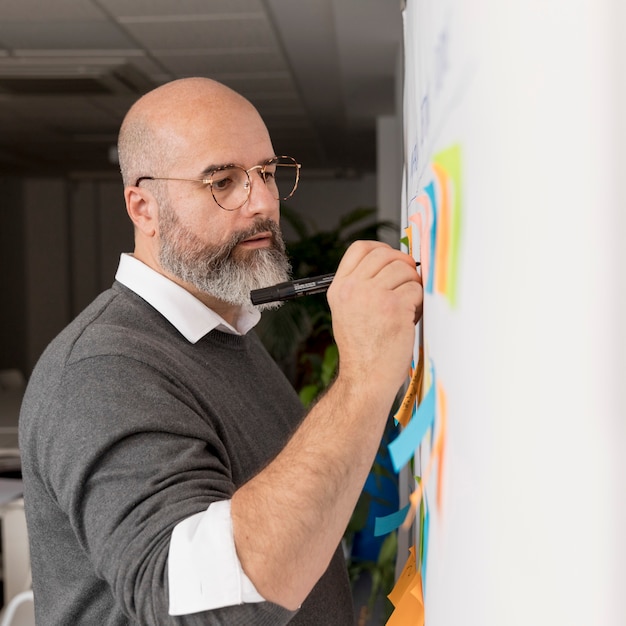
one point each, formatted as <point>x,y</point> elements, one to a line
<point>375,300</point>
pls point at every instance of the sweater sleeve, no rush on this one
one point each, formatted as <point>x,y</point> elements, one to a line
<point>131,457</point>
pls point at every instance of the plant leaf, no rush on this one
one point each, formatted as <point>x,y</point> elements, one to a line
<point>308,394</point>
<point>329,364</point>
<point>356,215</point>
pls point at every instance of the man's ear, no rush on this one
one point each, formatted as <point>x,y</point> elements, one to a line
<point>142,209</point>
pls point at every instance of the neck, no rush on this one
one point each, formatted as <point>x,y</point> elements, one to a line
<point>229,312</point>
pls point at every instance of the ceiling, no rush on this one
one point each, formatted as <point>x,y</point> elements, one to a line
<point>319,71</point>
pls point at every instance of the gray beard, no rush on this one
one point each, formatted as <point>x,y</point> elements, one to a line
<point>221,271</point>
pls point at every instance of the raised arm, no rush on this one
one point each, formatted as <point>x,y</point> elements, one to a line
<point>289,518</point>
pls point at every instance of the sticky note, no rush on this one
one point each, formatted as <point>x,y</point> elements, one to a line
<point>388,523</point>
<point>403,414</point>
<point>405,579</point>
<point>430,191</point>
<point>448,162</point>
<point>409,237</point>
<point>410,608</point>
<point>442,250</point>
<point>424,542</point>
<point>403,447</point>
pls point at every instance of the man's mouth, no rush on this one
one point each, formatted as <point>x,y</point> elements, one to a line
<point>260,240</point>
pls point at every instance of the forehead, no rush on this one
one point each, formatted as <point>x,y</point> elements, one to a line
<point>221,135</point>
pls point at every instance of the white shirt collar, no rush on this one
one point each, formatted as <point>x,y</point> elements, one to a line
<point>184,311</point>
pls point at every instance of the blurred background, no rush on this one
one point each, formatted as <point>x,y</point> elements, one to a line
<point>323,74</point>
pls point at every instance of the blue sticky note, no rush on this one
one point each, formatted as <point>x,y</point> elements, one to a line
<point>430,190</point>
<point>403,447</point>
<point>388,523</point>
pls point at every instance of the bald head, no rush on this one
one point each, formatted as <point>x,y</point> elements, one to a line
<point>162,125</point>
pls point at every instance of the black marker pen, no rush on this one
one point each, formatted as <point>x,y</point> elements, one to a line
<point>293,289</point>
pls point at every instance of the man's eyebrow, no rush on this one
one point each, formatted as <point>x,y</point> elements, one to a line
<point>220,166</point>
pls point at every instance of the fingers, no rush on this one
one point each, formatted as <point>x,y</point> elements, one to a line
<point>355,254</point>
<point>375,299</point>
<point>368,259</point>
<point>372,275</point>
<point>371,256</point>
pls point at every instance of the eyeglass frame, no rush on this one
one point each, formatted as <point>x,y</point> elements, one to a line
<point>207,181</point>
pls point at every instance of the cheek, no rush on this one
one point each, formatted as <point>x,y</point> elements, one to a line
<point>205,224</point>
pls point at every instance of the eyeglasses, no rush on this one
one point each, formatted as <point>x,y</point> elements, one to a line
<point>230,185</point>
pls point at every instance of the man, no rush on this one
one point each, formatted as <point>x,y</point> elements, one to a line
<point>170,474</point>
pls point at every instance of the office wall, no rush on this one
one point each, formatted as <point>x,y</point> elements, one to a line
<point>62,240</point>
<point>46,262</point>
<point>12,277</point>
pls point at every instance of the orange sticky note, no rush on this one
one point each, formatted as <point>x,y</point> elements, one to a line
<point>449,163</point>
<point>423,220</point>
<point>405,579</point>
<point>403,414</point>
<point>409,235</point>
<point>410,609</point>
<point>443,231</point>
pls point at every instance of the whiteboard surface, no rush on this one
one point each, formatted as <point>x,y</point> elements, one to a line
<point>531,528</point>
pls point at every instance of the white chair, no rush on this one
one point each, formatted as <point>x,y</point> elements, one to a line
<point>16,581</point>
<point>20,611</point>
<point>16,575</point>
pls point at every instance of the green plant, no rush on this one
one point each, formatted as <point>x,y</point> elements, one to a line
<point>382,573</point>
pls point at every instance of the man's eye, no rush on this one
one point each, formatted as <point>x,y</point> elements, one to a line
<point>222,183</point>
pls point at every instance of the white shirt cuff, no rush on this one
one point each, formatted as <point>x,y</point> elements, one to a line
<point>203,567</point>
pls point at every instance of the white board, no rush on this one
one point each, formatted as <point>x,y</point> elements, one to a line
<point>528,345</point>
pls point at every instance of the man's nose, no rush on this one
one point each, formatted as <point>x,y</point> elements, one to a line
<point>261,198</point>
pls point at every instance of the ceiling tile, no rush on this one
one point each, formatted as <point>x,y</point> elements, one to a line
<point>149,8</point>
<point>49,10</point>
<point>203,34</point>
<point>65,34</point>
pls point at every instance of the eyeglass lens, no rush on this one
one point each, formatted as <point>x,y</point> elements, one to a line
<point>231,186</point>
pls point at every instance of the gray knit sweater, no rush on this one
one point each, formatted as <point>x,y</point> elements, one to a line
<point>127,429</point>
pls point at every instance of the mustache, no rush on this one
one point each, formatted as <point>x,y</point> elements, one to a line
<point>260,226</point>
<point>225,252</point>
